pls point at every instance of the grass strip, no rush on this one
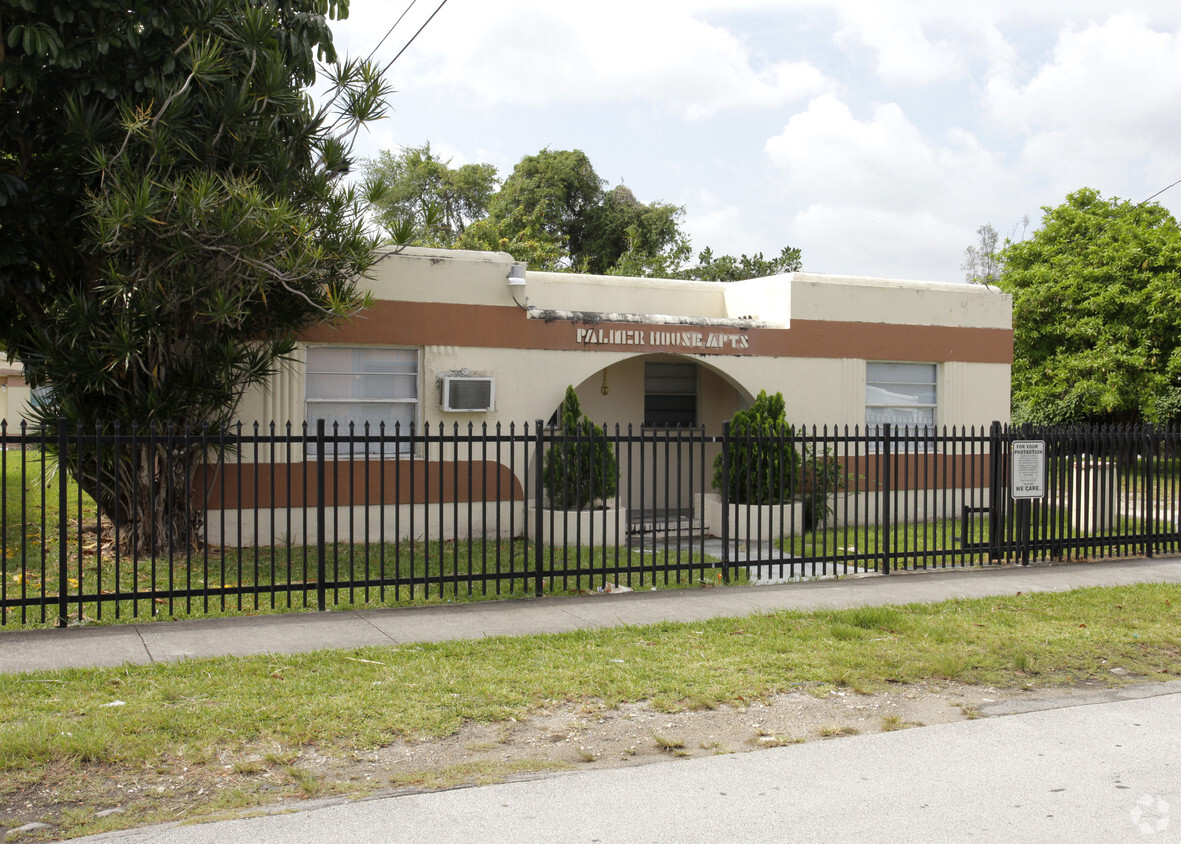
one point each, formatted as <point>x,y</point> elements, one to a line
<point>239,580</point>
<point>66,730</point>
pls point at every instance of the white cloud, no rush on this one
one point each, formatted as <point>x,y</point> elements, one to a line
<point>896,35</point>
<point>713,222</point>
<point>829,156</point>
<point>1103,109</point>
<point>851,240</point>
<point>879,197</point>
<point>902,124</point>
<point>656,53</point>
<point>936,41</point>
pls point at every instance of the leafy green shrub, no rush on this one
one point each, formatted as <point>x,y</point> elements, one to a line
<point>580,468</point>
<point>764,463</point>
<point>821,474</point>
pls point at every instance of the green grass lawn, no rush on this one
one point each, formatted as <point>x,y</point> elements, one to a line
<point>915,544</point>
<point>944,542</point>
<point>212,717</point>
<point>393,574</point>
<point>389,574</point>
<point>424,572</point>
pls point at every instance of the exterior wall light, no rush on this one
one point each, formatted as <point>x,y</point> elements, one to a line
<point>516,281</point>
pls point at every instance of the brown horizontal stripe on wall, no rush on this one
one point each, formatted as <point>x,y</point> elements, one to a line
<point>485,326</point>
<point>279,485</point>
<point>916,471</point>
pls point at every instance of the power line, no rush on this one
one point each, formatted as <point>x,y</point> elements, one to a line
<point>415,35</point>
<point>390,31</point>
<point>1061,247</point>
<point>1159,192</point>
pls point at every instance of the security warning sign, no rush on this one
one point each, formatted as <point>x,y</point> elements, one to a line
<point>1028,476</point>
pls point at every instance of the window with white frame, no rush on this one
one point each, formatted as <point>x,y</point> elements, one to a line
<point>902,394</point>
<point>362,385</point>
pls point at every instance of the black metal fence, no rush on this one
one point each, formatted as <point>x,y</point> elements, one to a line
<point>301,519</point>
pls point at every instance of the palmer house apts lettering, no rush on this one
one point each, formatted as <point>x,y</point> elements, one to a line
<point>662,339</point>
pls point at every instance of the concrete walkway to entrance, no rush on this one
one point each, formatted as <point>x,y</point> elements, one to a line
<point>161,641</point>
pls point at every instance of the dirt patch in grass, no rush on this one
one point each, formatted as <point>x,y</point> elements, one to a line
<point>79,798</point>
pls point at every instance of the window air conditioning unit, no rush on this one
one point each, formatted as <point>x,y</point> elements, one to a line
<point>468,393</point>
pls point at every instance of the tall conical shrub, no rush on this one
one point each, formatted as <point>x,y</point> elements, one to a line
<point>580,467</point>
<point>763,461</point>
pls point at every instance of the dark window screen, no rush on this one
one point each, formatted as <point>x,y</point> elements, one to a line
<point>670,394</point>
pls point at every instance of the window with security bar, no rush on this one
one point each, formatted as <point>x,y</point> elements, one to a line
<point>362,385</point>
<point>903,394</point>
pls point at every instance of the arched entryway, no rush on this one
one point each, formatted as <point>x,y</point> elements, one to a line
<point>642,401</point>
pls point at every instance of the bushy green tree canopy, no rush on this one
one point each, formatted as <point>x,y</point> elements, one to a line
<point>1097,313</point>
<point>563,186</point>
<point>171,210</point>
<point>170,206</point>
<point>425,192</point>
<point>554,212</point>
<point>729,268</point>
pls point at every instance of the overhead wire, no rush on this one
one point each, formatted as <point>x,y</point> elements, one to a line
<point>390,31</point>
<point>1061,246</point>
<point>1110,220</point>
<point>1162,190</point>
<point>414,36</point>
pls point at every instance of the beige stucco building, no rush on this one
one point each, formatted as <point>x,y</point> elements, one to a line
<point>463,338</point>
<point>638,350</point>
<point>14,395</point>
<point>844,351</point>
<point>472,337</point>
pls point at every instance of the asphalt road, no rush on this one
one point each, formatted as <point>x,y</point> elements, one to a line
<point>1105,771</point>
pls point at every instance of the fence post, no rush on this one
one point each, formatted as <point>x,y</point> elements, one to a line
<point>539,513</point>
<point>995,491</point>
<point>321,550</point>
<point>1024,510</point>
<point>726,501</point>
<point>1149,500</point>
<point>884,510</point>
<point>63,598</point>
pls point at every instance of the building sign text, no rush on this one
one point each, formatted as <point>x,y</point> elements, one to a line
<point>662,338</point>
<point>1028,477</point>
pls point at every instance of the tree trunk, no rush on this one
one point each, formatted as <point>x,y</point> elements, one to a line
<point>144,486</point>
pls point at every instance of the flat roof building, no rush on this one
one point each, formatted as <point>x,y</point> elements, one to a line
<point>450,339</point>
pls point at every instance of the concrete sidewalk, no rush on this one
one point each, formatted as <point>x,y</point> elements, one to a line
<point>166,641</point>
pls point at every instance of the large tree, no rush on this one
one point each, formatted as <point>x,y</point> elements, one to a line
<point>982,260</point>
<point>171,215</point>
<point>620,224</point>
<point>1097,313</point>
<point>729,268</point>
<point>559,184</point>
<point>428,200</point>
<point>553,212</point>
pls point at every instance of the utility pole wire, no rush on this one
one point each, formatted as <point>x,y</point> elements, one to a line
<point>1162,190</point>
<point>412,37</point>
<point>390,31</point>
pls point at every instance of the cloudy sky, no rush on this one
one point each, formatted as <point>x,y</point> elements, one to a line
<point>875,135</point>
